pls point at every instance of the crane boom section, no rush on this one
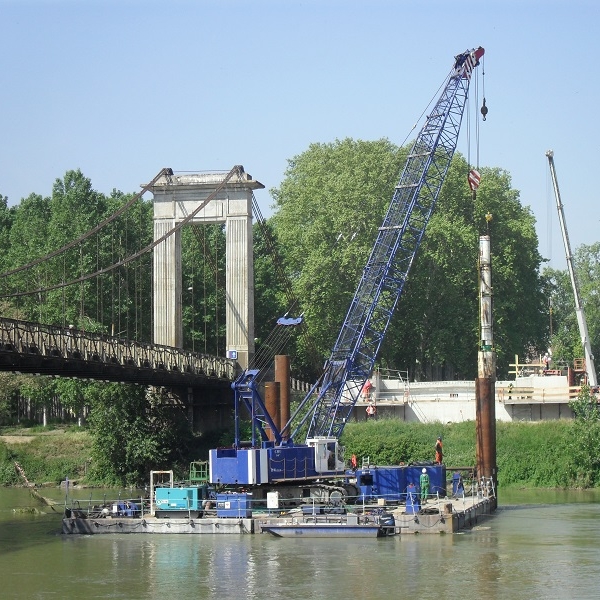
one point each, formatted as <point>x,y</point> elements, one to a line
<point>581,321</point>
<point>355,351</point>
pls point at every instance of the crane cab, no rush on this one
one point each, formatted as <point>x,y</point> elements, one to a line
<point>327,454</point>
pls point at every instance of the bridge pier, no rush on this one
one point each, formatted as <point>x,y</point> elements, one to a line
<point>175,198</point>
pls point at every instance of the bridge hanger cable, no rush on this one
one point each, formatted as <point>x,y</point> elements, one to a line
<point>280,335</point>
<point>205,319</point>
<point>236,170</point>
<point>217,293</point>
<point>91,232</point>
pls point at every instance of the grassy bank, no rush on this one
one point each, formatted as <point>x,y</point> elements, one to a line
<point>47,455</point>
<point>539,454</point>
<point>543,454</point>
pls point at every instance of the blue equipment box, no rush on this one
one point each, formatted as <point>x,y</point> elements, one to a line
<point>382,482</point>
<point>168,498</point>
<point>234,505</point>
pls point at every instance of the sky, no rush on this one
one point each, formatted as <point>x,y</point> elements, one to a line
<point>121,89</point>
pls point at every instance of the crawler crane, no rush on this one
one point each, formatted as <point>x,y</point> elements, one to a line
<point>310,467</point>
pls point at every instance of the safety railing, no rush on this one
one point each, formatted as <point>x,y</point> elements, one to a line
<point>68,343</point>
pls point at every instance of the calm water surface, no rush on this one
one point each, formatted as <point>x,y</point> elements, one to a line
<point>538,545</point>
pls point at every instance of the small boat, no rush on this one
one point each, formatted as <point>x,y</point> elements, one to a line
<point>350,526</point>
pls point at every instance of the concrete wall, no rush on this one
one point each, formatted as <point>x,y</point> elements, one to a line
<point>526,399</point>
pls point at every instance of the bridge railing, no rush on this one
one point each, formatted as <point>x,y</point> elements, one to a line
<point>73,344</point>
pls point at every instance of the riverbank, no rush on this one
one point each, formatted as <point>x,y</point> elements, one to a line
<point>48,455</point>
<point>548,454</point>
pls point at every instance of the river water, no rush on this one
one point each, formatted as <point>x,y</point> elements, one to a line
<point>538,545</point>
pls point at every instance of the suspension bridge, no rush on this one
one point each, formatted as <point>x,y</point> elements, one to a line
<point>155,293</point>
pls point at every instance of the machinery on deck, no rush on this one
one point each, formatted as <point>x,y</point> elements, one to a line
<point>315,468</point>
<point>581,321</point>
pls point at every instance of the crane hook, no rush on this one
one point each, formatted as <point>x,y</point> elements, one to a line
<point>484,110</point>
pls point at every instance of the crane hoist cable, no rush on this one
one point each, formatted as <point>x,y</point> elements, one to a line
<point>484,108</point>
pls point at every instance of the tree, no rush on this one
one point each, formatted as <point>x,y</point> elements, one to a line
<point>329,207</point>
<point>6,220</point>
<point>27,241</point>
<point>586,438</point>
<point>566,340</point>
<point>332,200</point>
<point>203,271</point>
<point>134,430</point>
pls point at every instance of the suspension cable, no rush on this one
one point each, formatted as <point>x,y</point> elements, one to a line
<point>91,232</point>
<point>236,170</point>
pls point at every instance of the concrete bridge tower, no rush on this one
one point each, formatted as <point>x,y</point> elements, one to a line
<point>175,198</point>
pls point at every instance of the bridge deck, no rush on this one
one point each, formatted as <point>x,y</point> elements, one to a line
<point>49,350</point>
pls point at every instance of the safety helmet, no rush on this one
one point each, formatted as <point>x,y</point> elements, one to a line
<point>424,470</point>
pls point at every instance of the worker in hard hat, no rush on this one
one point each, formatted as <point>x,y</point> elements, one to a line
<point>424,484</point>
<point>439,454</point>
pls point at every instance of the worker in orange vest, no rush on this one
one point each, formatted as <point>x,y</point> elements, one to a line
<point>371,410</point>
<point>439,454</point>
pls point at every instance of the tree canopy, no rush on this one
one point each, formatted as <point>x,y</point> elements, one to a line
<point>565,339</point>
<point>328,208</point>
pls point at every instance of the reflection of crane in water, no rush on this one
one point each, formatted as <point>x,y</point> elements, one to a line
<point>583,331</point>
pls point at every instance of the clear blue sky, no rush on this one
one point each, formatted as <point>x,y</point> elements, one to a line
<point>120,89</point>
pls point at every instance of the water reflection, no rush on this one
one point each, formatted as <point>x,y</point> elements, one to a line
<point>541,547</point>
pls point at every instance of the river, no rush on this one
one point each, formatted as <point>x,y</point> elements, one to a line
<point>539,544</point>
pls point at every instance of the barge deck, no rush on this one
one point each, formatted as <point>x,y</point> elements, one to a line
<point>437,516</point>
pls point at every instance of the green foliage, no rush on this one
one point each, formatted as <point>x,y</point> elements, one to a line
<point>38,226</point>
<point>203,298</point>
<point>133,432</point>
<point>48,458</point>
<point>330,204</point>
<point>566,338</point>
<point>9,386</point>
<point>535,454</point>
<point>585,406</point>
<point>329,207</point>
<point>585,439</point>
<point>392,442</point>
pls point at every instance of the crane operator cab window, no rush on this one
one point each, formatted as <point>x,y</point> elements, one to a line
<point>326,454</point>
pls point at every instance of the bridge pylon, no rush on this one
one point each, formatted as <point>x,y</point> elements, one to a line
<point>176,197</point>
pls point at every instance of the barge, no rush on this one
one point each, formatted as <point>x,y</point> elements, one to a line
<point>351,525</point>
<point>195,509</point>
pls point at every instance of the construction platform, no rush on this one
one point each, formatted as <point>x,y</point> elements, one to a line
<point>442,515</point>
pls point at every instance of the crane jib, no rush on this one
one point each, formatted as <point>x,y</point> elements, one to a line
<point>397,242</point>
